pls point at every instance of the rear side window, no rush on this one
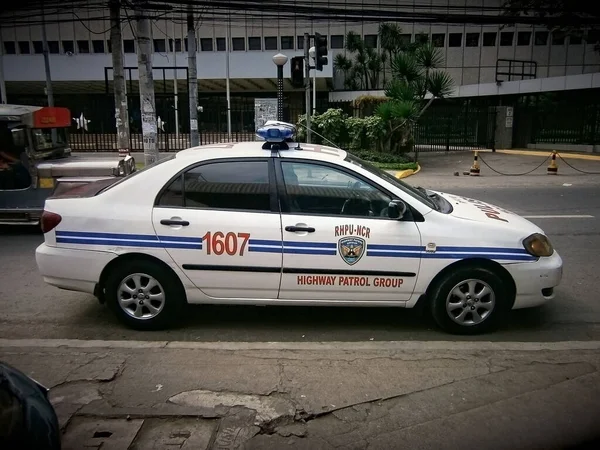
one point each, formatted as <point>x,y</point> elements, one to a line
<point>221,185</point>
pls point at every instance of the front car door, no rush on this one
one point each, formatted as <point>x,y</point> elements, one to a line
<point>222,223</point>
<point>338,241</point>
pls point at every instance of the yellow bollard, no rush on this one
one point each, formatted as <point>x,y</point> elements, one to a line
<point>474,172</point>
<point>553,168</point>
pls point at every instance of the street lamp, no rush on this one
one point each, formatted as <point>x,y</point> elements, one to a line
<point>280,60</point>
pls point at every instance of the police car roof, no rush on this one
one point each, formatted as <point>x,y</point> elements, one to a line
<point>254,148</point>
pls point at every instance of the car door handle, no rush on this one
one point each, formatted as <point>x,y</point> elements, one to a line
<point>293,229</point>
<point>183,223</point>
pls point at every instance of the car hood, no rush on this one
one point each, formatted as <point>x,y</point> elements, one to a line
<point>483,212</point>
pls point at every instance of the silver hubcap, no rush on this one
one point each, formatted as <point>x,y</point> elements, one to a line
<point>141,296</point>
<point>470,302</point>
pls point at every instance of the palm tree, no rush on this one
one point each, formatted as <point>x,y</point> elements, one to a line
<point>414,75</point>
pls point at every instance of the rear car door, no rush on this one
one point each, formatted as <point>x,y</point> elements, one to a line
<point>338,241</point>
<point>223,226</point>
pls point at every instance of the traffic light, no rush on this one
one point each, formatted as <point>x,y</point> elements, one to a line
<point>297,69</point>
<point>320,51</point>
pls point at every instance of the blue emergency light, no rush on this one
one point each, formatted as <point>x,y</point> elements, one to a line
<point>276,132</point>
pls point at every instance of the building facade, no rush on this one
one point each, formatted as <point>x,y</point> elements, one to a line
<point>475,56</point>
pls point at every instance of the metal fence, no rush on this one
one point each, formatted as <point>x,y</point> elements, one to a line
<point>558,120</point>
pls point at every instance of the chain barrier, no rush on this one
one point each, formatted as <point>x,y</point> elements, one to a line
<point>536,168</point>
<point>513,174</point>
<point>575,168</point>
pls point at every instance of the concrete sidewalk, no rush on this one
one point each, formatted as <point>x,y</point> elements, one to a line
<point>383,395</point>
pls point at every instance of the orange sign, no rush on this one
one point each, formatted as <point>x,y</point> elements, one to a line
<point>51,117</point>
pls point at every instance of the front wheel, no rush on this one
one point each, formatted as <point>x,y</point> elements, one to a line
<point>144,296</point>
<point>470,300</point>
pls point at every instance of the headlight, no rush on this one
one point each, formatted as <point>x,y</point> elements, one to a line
<point>538,245</point>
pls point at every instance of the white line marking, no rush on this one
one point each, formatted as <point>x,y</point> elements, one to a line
<point>558,216</point>
<point>307,346</point>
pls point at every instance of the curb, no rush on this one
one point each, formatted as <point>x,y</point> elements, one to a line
<point>408,172</point>
<point>545,154</point>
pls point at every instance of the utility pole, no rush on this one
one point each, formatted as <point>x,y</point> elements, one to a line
<point>192,79</point>
<point>45,51</point>
<point>146,80</point>
<point>307,85</point>
<point>119,85</point>
<point>3,98</point>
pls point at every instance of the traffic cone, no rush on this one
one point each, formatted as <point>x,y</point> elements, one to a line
<point>553,168</point>
<point>474,172</point>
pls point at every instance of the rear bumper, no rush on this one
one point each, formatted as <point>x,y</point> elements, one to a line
<point>536,281</point>
<point>70,269</point>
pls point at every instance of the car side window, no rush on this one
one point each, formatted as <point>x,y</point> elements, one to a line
<point>239,185</point>
<point>319,189</point>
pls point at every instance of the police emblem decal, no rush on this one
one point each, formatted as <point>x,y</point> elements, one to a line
<point>351,249</point>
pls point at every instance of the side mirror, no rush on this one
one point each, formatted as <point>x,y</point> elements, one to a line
<point>396,209</point>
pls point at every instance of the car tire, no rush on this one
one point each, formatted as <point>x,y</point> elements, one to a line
<point>469,300</point>
<point>145,296</point>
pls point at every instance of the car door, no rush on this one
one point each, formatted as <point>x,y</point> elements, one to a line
<point>223,226</point>
<point>338,241</point>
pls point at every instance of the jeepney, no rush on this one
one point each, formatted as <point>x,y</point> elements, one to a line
<point>38,137</point>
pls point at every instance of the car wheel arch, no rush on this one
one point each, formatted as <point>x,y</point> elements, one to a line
<point>127,257</point>
<point>483,263</point>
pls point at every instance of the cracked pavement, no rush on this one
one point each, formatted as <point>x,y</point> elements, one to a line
<point>321,397</point>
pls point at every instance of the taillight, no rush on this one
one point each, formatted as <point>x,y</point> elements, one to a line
<point>49,221</point>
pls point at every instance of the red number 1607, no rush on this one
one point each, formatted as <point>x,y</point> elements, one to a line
<point>231,243</point>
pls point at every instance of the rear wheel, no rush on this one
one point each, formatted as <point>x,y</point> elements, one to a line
<point>144,295</point>
<point>469,300</point>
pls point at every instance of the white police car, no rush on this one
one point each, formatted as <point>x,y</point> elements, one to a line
<point>280,222</point>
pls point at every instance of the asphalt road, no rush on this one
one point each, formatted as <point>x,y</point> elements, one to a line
<point>30,309</point>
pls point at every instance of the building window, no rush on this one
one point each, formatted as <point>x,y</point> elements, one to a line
<point>10,48</point>
<point>472,40</point>
<point>371,40</point>
<point>405,39</point>
<point>53,47</point>
<point>287,42</point>
<point>421,38</point>
<point>507,38</point>
<point>128,46</point>
<point>160,46</point>
<point>523,38</point>
<point>558,38</point>
<point>593,37</point>
<point>253,43</point>
<point>206,44</point>
<point>109,46</point>
<point>98,46</point>
<point>300,42</point>
<point>438,39</point>
<point>541,38</point>
<point>221,44</point>
<point>454,39</point>
<point>489,39</point>
<point>68,46</point>
<point>177,43</point>
<point>83,46</point>
<point>270,42</point>
<point>24,47</point>
<point>238,44</point>
<point>337,41</point>
<point>38,47</point>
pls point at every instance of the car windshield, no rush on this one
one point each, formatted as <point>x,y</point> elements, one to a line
<point>418,194</point>
<point>137,172</point>
<point>49,138</point>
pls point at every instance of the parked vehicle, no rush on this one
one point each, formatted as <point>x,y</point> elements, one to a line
<point>36,161</point>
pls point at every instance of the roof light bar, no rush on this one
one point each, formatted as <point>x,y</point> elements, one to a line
<point>274,131</point>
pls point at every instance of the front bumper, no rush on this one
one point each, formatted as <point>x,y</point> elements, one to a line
<point>72,269</point>
<point>536,281</point>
